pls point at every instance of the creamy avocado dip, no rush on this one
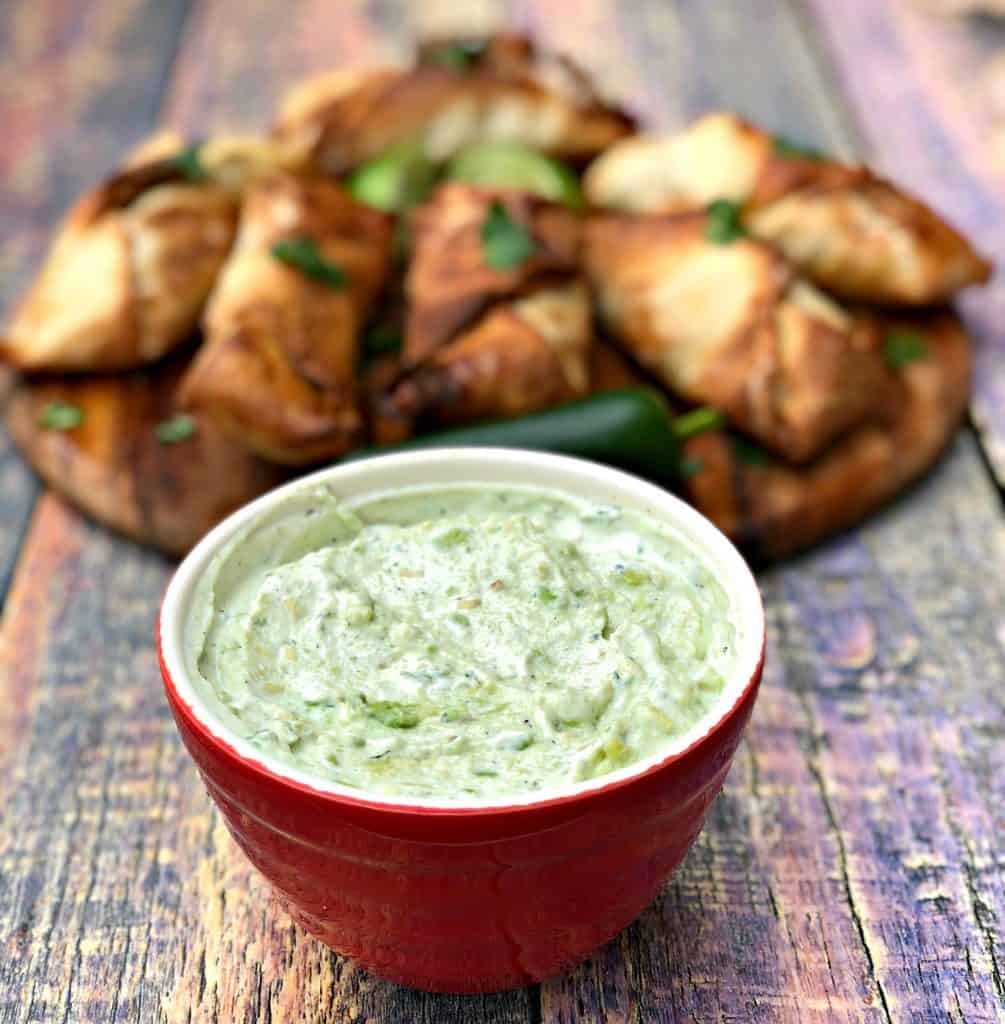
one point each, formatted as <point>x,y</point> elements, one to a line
<point>460,641</point>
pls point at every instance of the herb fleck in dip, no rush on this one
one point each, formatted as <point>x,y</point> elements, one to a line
<point>456,642</point>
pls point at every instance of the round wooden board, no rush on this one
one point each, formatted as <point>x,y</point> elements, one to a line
<point>114,467</point>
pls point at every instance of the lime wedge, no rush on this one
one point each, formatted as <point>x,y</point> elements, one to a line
<point>511,165</point>
<point>399,178</point>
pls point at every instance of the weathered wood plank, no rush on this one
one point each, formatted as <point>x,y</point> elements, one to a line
<point>852,868</point>
<point>245,961</point>
<point>19,491</point>
<point>140,907</point>
<point>122,896</point>
<point>79,718</point>
<point>910,771</point>
<point>82,83</point>
<point>792,906</point>
<point>918,85</point>
<point>231,80</point>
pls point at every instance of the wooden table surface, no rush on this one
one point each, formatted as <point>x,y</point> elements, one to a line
<point>853,868</point>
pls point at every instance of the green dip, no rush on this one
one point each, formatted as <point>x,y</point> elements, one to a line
<point>460,642</point>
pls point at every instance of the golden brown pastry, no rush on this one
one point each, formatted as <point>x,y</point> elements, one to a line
<point>498,319</point>
<point>515,58</point>
<point>126,274</point>
<point>229,160</point>
<point>523,355</point>
<point>727,322</point>
<point>611,371</point>
<point>277,368</point>
<point>130,268</point>
<point>450,282</point>
<point>848,230</point>
<point>501,90</point>
<point>773,509</point>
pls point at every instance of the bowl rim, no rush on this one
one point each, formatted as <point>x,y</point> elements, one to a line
<point>185,699</point>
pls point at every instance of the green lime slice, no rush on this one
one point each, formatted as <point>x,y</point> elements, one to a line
<point>511,165</point>
<point>400,178</point>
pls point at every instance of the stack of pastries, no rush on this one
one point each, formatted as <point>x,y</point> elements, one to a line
<point>480,236</point>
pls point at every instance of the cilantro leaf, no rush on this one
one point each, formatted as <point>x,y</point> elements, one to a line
<point>723,222</point>
<point>505,243</point>
<point>188,164</point>
<point>903,347</point>
<point>796,150</point>
<point>380,341</point>
<point>458,55</point>
<point>179,428</point>
<point>59,415</point>
<point>453,56</point>
<point>304,255</point>
<point>749,453</point>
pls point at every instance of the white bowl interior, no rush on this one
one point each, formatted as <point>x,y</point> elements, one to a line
<point>356,481</point>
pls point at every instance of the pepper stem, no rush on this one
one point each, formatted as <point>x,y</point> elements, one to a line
<point>697,421</point>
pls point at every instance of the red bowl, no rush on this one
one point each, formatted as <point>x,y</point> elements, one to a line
<point>474,896</point>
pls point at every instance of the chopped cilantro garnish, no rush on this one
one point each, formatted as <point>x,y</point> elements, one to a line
<point>61,415</point>
<point>903,347</point>
<point>458,55</point>
<point>723,222</point>
<point>188,164</point>
<point>505,242</point>
<point>380,341</point>
<point>796,150</point>
<point>749,453</point>
<point>177,428</point>
<point>304,255</point>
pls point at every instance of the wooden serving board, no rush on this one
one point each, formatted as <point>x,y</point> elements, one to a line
<point>851,870</point>
<point>114,466</point>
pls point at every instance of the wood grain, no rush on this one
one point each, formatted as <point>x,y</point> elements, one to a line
<point>141,908</point>
<point>920,88</point>
<point>785,932</point>
<point>81,84</point>
<point>19,491</point>
<point>851,870</point>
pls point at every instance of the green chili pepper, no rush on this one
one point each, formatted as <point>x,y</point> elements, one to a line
<point>632,428</point>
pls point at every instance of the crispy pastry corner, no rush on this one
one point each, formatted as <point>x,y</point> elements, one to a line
<point>116,467</point>
<point>449,284</point>
<point>848,230</point>
<point>503,89</point>
<point>523,355</point>
<point>483,341</point>
<point>727,323</point>
<point>773,509</point>
<point>277,369</point>
<point>126,275</point>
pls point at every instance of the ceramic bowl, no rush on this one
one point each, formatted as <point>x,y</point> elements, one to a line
<point>480,895</point>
